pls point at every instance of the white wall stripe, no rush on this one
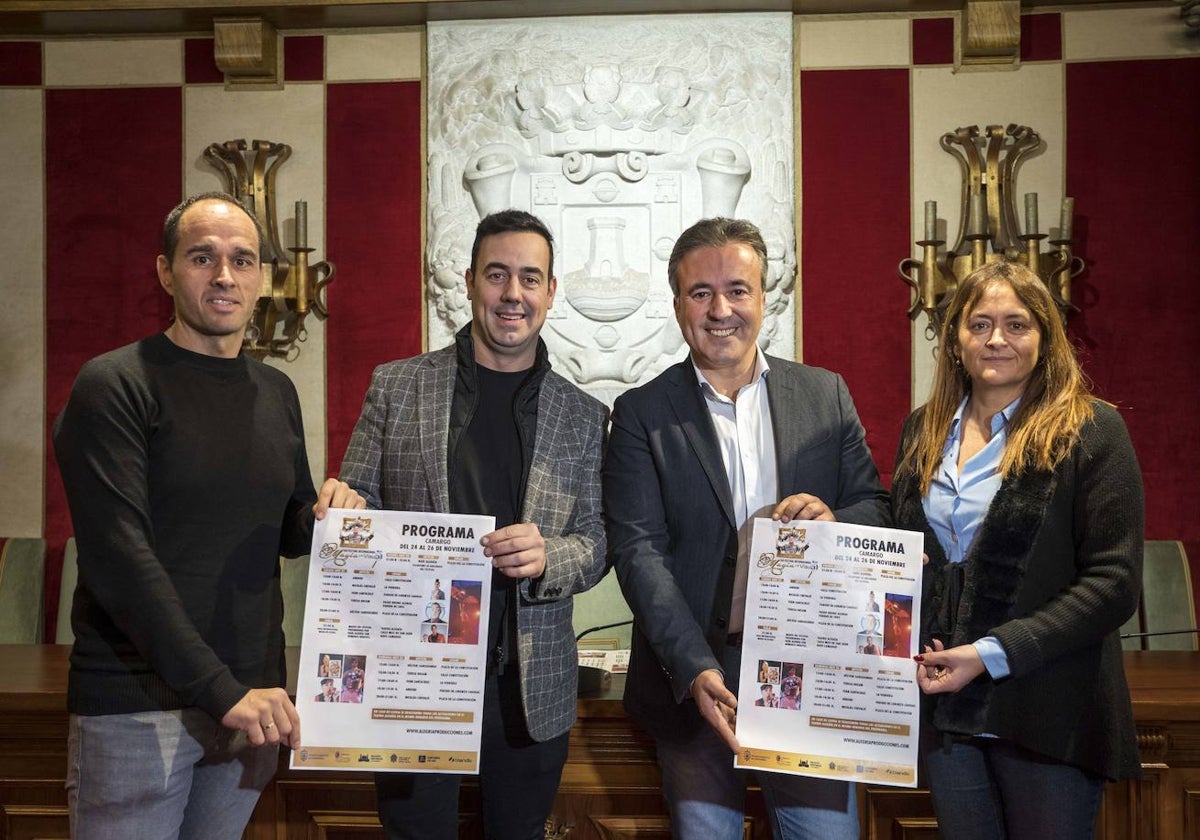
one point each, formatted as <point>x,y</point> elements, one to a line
<point>379,55</point>
<point>296,116</point>
<point>862,42</point>
<point>107,63</point>
<point>942,101</point>
<point>1145,32</point>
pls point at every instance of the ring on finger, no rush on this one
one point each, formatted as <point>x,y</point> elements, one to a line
<point>270,725</point>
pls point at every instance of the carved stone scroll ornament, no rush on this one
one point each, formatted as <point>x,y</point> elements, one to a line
<point>618,134</point>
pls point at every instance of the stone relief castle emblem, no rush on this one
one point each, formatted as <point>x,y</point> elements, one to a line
<point>618,133</point>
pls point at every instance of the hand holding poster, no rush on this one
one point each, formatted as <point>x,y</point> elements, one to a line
<point>393,656</point>
<point>828,686</point>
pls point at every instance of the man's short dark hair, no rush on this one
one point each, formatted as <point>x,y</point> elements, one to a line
<point>511,221</point>
<point>171,225</point>
<point>327,681</point>
<point>716,233</point>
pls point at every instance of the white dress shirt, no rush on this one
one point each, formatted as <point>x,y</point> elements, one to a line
<point>747,442</point>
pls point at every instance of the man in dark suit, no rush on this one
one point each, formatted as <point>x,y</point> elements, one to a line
<point>693,456</point>
<point>485,427</point>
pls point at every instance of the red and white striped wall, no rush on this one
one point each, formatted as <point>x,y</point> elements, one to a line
<point>100,137</point>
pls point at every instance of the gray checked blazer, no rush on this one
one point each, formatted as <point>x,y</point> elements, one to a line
<point>397,461</point>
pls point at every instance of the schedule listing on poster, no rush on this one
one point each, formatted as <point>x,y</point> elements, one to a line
<point>393,653</point>
<point>828,684</point>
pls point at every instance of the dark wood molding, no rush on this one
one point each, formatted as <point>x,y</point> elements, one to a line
<point>73,18</point>
<point>610,786</point>
<point>246,49</point>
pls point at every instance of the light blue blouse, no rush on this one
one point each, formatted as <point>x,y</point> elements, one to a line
<point>958,502</point>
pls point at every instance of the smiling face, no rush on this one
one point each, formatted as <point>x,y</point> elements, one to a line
<point>511,289</point>
<point>999,342</point>
<point>214,277</point>
<point>720,307</point>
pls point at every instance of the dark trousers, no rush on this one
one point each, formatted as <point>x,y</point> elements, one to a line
<point>518,778</point>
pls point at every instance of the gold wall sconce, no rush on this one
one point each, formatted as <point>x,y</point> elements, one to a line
<point>291,289</point>
<point>988,228</point>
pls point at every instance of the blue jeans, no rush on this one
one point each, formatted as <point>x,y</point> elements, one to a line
<point>706,794</point>
<point>150,775</point>
<point>990,789</point>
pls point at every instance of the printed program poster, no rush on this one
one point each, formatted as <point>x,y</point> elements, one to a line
<point>828,686</point>
<point>393,655</point>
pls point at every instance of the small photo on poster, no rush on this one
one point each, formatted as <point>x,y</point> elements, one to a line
<point>465,598</point>
<point>869,643</point>
<point>436,593</point>
<point>768,696</point>
<point>791,541</point>
<point>328,692</point>
<point>791,686</point>
<point>434,611</point>
<point>768,671</point>
<point>433,632</point>
<point>331,666</point>
<point>897,625</point>
<point>354,679</point>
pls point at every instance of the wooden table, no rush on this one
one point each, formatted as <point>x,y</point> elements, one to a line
<point>610,787</point>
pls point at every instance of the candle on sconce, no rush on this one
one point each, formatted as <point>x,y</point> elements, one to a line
<point>1031,219</point>
<point>975,221</point>
<point>930,220</point>
<point>301,224</point>
<point>1067,221</point>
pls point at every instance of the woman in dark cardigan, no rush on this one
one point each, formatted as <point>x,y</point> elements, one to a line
<point>1030,498</point>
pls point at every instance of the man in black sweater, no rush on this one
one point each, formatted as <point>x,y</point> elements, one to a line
<point>186,474</point>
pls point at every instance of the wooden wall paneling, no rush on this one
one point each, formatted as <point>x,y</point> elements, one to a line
<point>36,824</point>
<point>611,785</point>
<point>631,828</point>
<point>320,806</point>
<point>895,813</point>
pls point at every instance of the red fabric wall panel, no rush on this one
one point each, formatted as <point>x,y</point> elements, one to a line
<point>373,236</point>
<point>1041,37</point>
<point>933,41</point>
<point>856,229</point>
<point>199,65</point>
<point>1140,296</point>
<point>20,63</point>
<point>112,173</point>
<point>304,58</point>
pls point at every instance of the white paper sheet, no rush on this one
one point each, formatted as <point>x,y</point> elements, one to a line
<point>828,686</point>
<point>393,655</point>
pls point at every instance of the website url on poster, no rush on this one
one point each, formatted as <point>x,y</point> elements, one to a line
<point>875,743</point>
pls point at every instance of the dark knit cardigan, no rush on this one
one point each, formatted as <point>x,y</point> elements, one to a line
<point>1054,571</point>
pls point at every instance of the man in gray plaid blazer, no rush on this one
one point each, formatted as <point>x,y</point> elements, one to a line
<point>485,427</point>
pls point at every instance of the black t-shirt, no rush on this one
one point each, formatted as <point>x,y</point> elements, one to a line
<point>485,478</point>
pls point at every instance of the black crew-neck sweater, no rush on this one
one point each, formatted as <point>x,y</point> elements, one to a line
<point>187,477</point>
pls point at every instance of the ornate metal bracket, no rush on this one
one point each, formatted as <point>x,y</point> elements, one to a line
<point>291,288</point>
<point>988,216</point>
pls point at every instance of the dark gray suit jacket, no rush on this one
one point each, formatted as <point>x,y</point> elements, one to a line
<point>397,461</point>
<point>671,529</point>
